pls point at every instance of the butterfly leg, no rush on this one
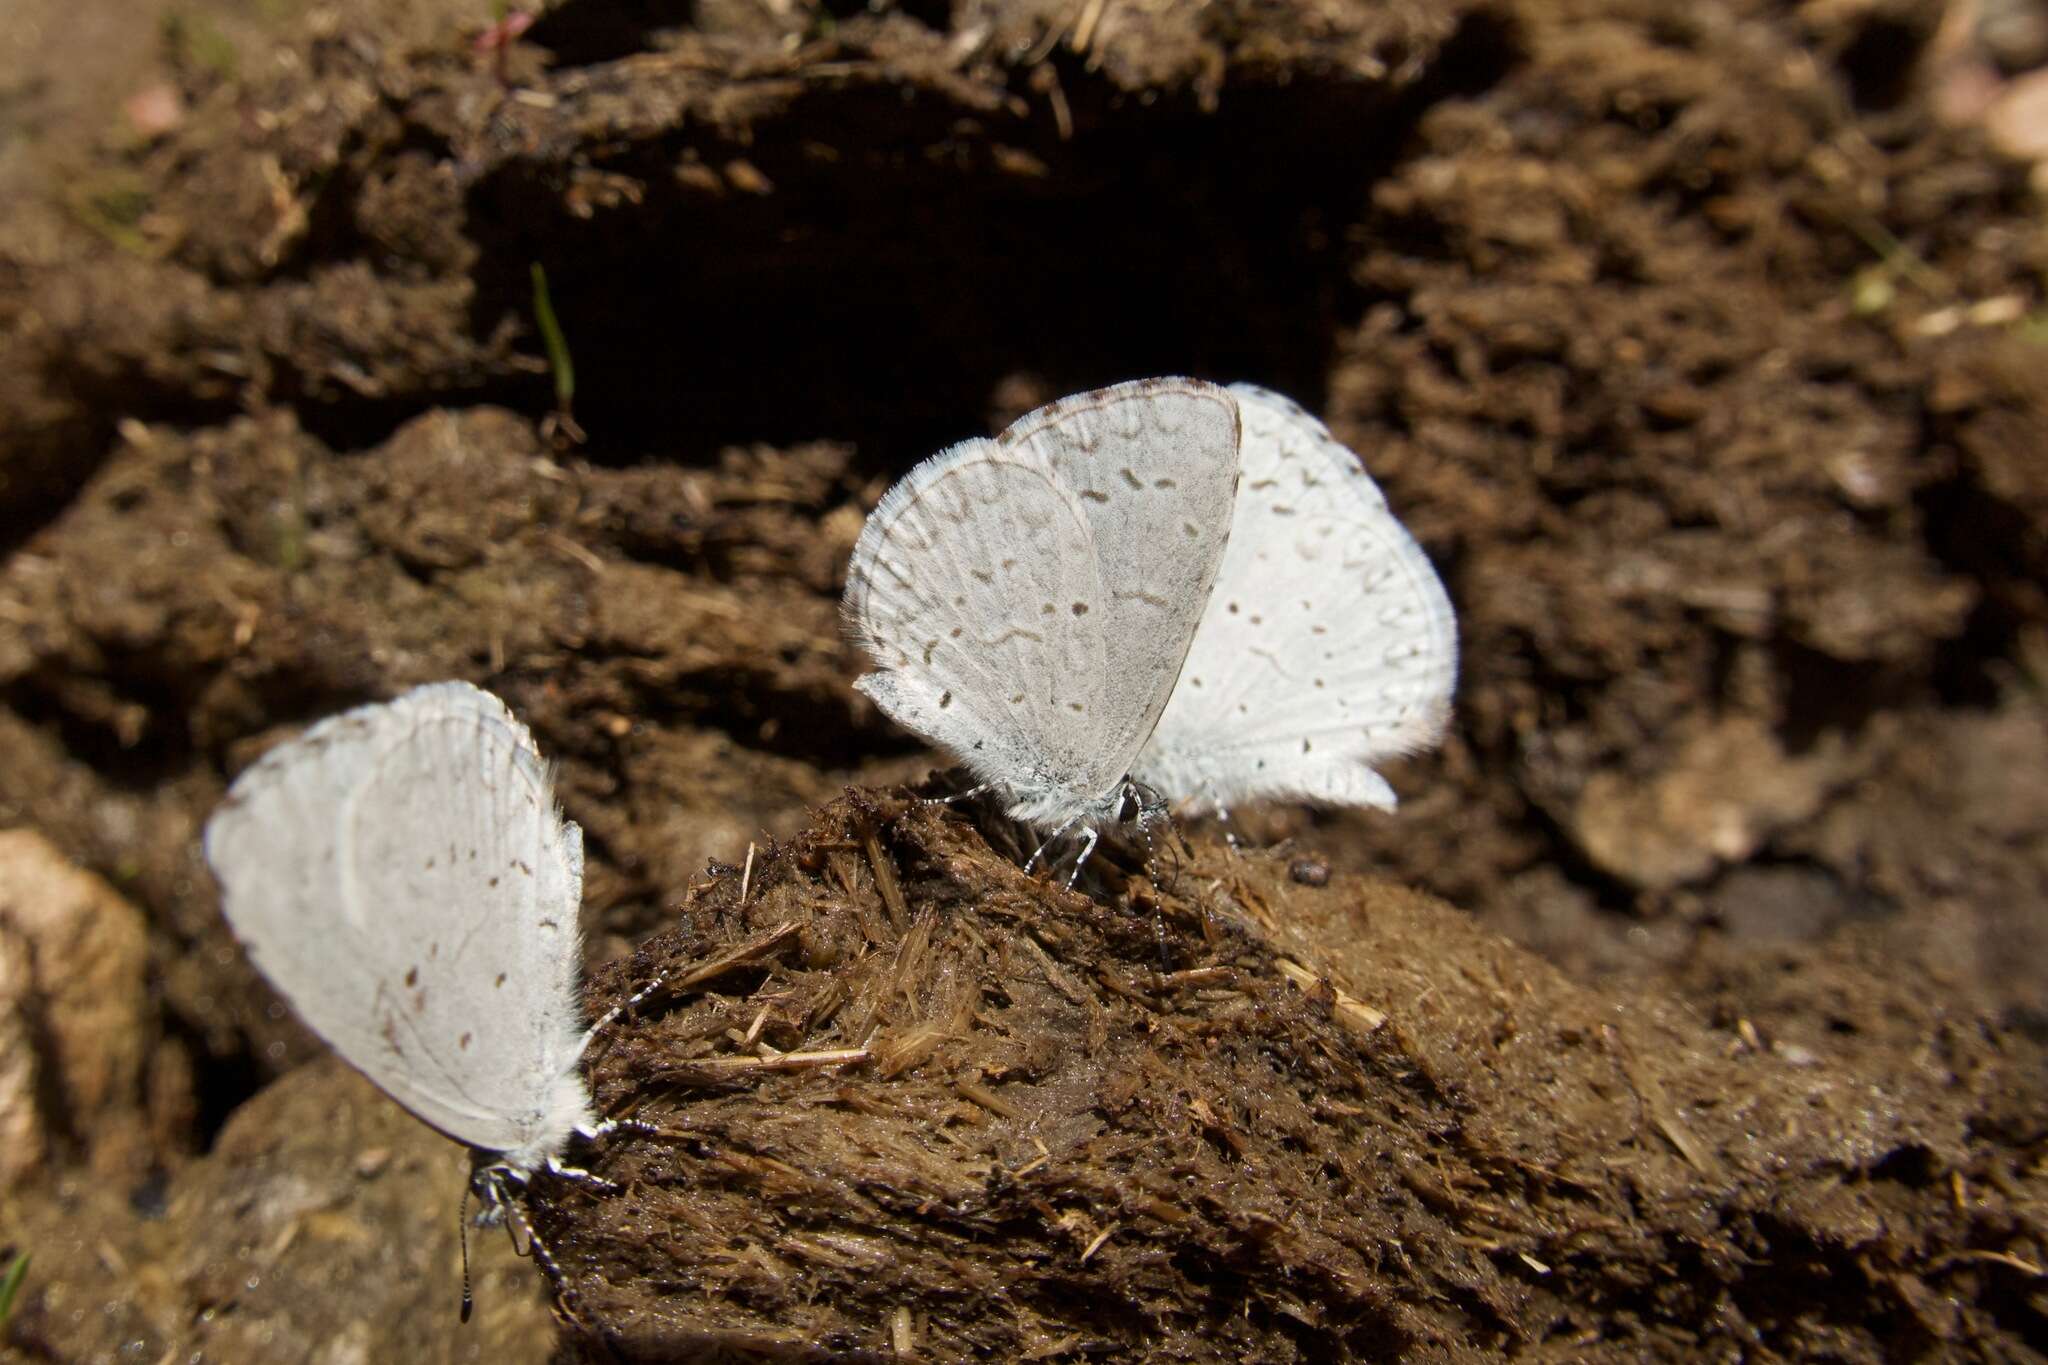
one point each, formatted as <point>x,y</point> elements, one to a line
<point>537,1249</point>
<point>611,1015</point>
<point>1031,863</point>
<point>967,795</point>
<point>1088,842</point>
<point>578,1175</point>
<point>598,1132</point>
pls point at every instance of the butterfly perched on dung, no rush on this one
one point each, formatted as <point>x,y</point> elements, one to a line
<point>1162,586</point>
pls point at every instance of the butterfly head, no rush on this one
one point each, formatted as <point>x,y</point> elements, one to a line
<point>494,1183</point>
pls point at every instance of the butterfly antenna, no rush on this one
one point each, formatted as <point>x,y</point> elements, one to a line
<point>1152,812</point>
<point>462,1235</point>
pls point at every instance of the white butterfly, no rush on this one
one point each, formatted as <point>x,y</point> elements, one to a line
<point>1328,644</point>
<point>402,876</point>
<point>1028,600</point>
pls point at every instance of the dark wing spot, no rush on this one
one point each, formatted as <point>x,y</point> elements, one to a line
<point>522,867</point>
<point>981,575</point>
<point>463,1042</point>
<point>1305,746</point>
<point>945,700</point>
<point>1193,530</point>
<point>1233,608</point>
<point>494,881</point>
<point>500,982</point>
<point>1164,483</point>
<point>1094,496</point>
<point>955,633</point>
<point>1047,609</point>
<point>1080,608</point>
<point>1130,478</point>
<point>430,864</point>
<point>412,976</point>
<point>1017,700</point>
<point>1075,707</point>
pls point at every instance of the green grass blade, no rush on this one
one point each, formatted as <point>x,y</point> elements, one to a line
<point>551,336</point>
<point>10,1287</point>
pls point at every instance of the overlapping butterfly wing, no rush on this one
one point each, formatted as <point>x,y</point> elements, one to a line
<point>1328,645</point>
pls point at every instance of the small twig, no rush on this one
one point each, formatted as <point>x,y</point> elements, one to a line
<point>885,877</point>
<point>1044,1156</point>
<point>900,1339</point>
<point>1193,976</point>
<point>1662,1113</point>
<point>746,952</point>
<point>780,1061</point>
<point>2004,1258</point>
<point>747,874</point>
<point>1349,1007</point>
<point>1096,1245</point>
<point>753,1033</point>
<point>989,1100</point>
<point>582,554</point>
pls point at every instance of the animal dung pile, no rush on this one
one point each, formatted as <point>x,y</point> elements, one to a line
<point>913,1103</point>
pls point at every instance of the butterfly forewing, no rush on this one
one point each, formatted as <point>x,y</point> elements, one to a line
<point>1154,464</point>
<point>964,588</point>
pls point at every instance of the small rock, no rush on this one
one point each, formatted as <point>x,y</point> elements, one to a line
<point>1309,871</point>
<point>73,1014</point>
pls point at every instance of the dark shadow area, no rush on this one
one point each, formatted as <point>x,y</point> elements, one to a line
<point>1880,62</point>
<point>1985,538</point>
<point>891,280</point>
<point>591,32</point>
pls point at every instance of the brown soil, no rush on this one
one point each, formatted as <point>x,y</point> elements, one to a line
<point>1703,360</point>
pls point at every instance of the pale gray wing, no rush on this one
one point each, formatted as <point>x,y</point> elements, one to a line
<point>402,876</point>
<point>1329,643</point>
<point>974,589</point>
<point>1155,466</point>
